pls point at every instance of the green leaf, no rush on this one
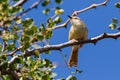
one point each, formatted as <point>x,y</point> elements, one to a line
<point>46,11</point>
<point>114,21</point>
<point>34,39</point>
<point>28,32</point>
<point>15,28</point>
<point>14,10</point>
<point>59,11</point>
<point>5,6</point>
<point>18,20</point>
<point>6,77</point>
<point>112,26</point>
<point>53,75</point>
<point>40,37</point>
<point>117,4</point>
<point>28,22</point>
<point>25,38</point>
<point>50,25</point>
<point>78,71</point>
<point>27,63</point>
<point>37,52</point>
<point>47,62</point>
<point>11,46</point>
<point>47,52</point>
<point>49,20</point>
<point>58,20</point>
<point>45,3</point>
<point>24,78</point>
<point>14,36</point>
<point>31,30</point>
<point>3,57</point>
<point>42,26</point>
<point>19,60</point>
<point>26,45</point>
<point>34,29</point>
<point>8,23</point>
<point>6,35</point>
<point>1,48</point>
<point>71,78</point>
<point>4,1</point>
<point>48,35</point>
<point>46,77</point>
<point>58,1</point>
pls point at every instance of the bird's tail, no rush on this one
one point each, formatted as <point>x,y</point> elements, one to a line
<point>73,61</point>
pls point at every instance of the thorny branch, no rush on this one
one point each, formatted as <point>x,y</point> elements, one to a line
<point>93,40</point>
<point>92,6</point>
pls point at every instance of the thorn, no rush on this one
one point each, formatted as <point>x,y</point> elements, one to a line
<point>65,27</point>
<point>94,43</point>
<point>115,38</point>
<point>60,50</point>
<point>105,4</point>
<point>104,34</point>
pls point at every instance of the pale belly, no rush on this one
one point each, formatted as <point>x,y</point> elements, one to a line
<point>79,33</point>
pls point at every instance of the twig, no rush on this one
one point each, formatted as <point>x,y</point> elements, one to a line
<point>79,11</point>
<point>30,8</point>
<point>12,53</point>
<point>20,3</point>
<point>62,25</point>
<point>93,40</point>
<point>91,7</point>
<point>4,46</point>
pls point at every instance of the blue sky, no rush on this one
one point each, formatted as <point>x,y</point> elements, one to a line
<point>98,62</point>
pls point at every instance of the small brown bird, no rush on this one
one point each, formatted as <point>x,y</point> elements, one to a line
<point>78,31</point>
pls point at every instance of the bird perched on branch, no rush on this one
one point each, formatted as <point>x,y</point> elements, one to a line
<point>78,31</point>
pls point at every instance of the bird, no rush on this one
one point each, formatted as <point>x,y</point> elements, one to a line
<point>78,31</point>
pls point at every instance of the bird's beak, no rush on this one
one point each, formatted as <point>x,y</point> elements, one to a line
<point>70,17</point>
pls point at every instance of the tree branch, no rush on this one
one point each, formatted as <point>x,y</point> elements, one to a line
<point>93,40</point>
<point>79,11</point>
<point>13,52</point>
<point>93,6</point>
<point>20,3</point>
<point>4,46</point>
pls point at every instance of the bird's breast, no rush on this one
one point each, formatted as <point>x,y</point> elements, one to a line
<point>78,32</point>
